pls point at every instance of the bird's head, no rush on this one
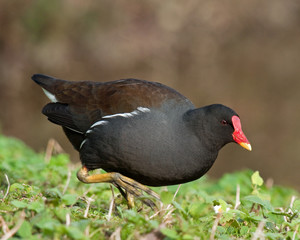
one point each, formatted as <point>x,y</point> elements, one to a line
<point>218,125</point>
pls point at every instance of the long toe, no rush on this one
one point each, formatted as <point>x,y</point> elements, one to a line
<point>134,189</point>
<point>136,185</point>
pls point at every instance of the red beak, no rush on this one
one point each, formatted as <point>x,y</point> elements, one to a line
<point>238,134</point>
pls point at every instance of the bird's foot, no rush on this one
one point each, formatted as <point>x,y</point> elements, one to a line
<point>132,188</point>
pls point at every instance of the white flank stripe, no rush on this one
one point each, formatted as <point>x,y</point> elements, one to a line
<point>50,95</point>
<point>142,109</point>
<point>83,142</point>
<point>99,123</point>
<point>125,115</point>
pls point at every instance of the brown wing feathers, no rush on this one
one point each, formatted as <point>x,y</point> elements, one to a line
<point>80,104</point>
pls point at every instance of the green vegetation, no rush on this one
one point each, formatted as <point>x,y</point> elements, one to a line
<point>43,200</point>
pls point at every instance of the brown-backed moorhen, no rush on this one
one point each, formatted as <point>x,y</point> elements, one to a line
<point>139,132</point>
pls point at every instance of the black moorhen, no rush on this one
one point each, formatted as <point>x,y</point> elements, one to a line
<point>139,132</point>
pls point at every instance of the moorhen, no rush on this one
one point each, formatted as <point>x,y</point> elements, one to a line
<point>139,132</point>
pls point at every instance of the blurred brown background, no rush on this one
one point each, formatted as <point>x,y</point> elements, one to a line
<point>244,54</point>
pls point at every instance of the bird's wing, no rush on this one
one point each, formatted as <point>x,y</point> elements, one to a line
<point>79,104</point>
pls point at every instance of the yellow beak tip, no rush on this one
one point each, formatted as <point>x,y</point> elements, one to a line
<point>246,146</point>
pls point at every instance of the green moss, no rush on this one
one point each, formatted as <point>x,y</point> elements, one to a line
<point>36,197</point>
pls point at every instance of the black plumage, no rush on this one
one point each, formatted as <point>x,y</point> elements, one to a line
<point>143,130</point>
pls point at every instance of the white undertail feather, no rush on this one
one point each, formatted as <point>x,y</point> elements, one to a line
<point>50,96</point>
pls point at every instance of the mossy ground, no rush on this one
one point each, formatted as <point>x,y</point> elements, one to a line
<point>44,200</point>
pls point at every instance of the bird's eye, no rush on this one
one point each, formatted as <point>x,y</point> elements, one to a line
<point>224,122</point>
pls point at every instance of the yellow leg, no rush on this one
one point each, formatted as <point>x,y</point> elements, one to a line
<point>130,200</point>
<point>131,187</point>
